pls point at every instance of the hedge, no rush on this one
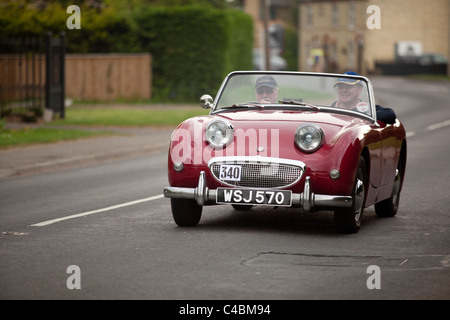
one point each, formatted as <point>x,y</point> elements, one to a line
<point>193,47</point>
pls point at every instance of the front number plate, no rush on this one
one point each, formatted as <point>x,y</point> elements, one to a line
<point>230,172</point>
<point>254,197</point>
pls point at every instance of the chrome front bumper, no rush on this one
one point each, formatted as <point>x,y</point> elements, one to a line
<point>307,199</point>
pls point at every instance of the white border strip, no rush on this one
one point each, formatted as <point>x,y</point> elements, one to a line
<point>126,204</point>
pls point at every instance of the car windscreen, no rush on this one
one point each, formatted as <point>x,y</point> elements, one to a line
<point>290,89</point>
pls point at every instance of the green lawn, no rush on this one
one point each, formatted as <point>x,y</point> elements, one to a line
<point>431,77</point>
<point>27,136</point>
<point>95,117</point>
<point>127,116</point>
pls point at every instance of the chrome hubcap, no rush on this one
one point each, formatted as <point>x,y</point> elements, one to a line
<point>359,198</point>
<point>396,189</point>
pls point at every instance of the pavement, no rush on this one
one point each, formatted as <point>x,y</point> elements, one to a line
<point>19,161</point>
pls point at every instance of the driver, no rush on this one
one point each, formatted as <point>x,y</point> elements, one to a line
<point>348,98</point>
<point>266,89</point>
<point>348,91</point>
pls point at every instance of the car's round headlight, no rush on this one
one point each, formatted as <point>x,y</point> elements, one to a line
<point>309,137</point>
<point>219,133</point>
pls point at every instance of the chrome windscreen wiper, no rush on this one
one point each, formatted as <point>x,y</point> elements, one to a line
<point>241,106</point>
<point>299,102</point>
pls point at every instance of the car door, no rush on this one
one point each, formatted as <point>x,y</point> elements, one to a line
<point>389,154</point>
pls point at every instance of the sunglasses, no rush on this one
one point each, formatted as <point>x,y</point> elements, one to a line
<point>261,90</point>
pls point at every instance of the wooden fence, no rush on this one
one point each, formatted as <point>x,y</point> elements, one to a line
<point>21,77</point>
<point>108,77</point>
<point>93,77</point>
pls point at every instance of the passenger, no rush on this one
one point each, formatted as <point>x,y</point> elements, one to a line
<point>349,91</point>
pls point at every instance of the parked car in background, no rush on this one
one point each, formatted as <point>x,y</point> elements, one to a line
<point>433,59</point>
<point>283,139</point>
<point>426,63</point>
<point>277,63</point>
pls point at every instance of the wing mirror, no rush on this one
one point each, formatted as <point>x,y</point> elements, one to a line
<point>206,101</point>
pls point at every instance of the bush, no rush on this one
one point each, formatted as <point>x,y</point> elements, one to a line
<point>193,46</point>
<point>290,52</point>
<point>191,56</point>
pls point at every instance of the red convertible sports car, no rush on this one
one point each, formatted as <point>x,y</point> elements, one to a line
<point>315,141</point>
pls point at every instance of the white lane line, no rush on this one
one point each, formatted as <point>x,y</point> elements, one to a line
<point>430,128</point>
<point>83,214</point>
<point>438,125</point>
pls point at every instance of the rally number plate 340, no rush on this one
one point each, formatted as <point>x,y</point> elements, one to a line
<point>254,197</point>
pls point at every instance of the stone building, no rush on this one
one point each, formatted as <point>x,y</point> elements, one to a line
<point>339,35</point>
<point>344,35</point>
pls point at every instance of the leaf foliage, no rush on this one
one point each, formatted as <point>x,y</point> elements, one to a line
<point>194,43</point>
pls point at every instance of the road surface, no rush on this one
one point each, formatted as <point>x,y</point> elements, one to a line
<point>105,232</point>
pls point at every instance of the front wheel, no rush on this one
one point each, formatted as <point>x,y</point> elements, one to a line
<point>186,212</point>
<point>348,220</point>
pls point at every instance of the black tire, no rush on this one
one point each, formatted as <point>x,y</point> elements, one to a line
<point>241,207</point>
<point>348,220</point>
<point>389,207</point>
<point>186,212</point>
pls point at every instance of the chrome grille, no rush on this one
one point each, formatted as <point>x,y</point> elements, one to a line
<point>261,174</point>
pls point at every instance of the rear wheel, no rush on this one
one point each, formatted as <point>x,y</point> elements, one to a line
<point>186,212</point>
<point>389,207</point>
<point>348,220</point>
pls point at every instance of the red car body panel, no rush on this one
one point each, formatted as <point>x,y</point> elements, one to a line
<point>346,138</point>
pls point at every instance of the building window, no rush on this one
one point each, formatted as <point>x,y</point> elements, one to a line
<point>335,15</point>
<point>351,55</point>
<point>351,16</point>
<point>309,16</point>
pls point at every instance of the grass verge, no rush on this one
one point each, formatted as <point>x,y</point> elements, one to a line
<point>29,136</point>
<point>140,117</point>
<point>94,116</point>
<point>429,77</point>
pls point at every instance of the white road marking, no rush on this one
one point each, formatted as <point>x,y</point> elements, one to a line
<point>430,128</point>
<point>438,125</point>
<point>404,261</point>
<point>126,204</point>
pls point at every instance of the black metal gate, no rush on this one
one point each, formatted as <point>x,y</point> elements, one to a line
<point>32,76</point>
<point>55,74</point>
